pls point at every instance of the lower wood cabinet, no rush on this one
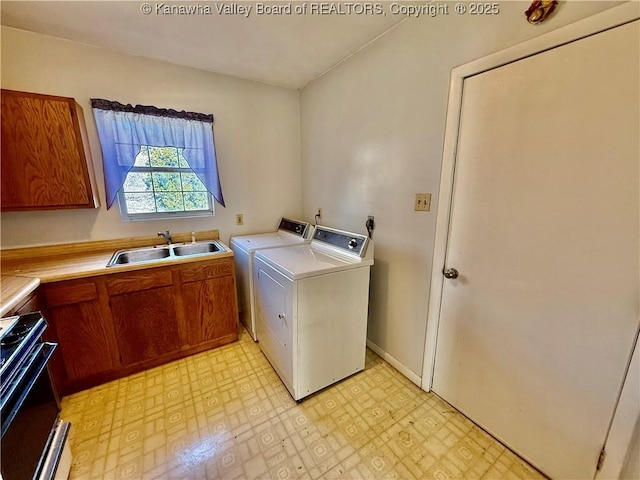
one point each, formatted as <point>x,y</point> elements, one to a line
<point>210,304</point>
<point>115,325</point>
<point>144,313</point>
<point>31,303</point>
<point>76,315</point>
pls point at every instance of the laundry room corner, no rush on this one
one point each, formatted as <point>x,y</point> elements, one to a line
<point>372,132</point>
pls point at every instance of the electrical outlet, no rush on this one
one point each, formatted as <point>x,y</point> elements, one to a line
<point>239,219</point>
<point>423,202</point>
<point>370,224</point>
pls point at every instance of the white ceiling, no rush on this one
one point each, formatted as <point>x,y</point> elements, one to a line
<point>287,50</point>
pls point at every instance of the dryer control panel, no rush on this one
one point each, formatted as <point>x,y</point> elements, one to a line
<point>352,243</point>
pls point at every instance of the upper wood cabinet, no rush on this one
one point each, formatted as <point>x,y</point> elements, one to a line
<point>46,162</point>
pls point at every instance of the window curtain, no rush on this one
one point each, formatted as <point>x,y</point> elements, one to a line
<point>123,129</point>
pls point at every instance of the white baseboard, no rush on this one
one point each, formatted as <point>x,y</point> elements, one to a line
<point>395,363</point>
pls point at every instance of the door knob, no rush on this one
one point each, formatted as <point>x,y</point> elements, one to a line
<point>450,273</point>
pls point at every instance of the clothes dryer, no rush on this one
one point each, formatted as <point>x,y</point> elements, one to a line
<point>311,308</point>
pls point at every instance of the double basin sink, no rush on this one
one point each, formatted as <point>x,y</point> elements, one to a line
<point>164,252</point>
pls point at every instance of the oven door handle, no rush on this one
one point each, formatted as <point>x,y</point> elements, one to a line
<point>24,382</point>
<point>53,458</point>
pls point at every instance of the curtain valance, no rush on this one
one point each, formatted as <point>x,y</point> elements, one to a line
<point>150,110</point>
<point>123,129</point>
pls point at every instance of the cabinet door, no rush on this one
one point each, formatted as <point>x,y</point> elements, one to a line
<point>76,316</point>
<point>143,309</point>
<point>43,157</point>
<point>210,309</point>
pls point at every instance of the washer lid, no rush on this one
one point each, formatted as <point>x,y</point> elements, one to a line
<point>251,243</point>
<point>290,232</point>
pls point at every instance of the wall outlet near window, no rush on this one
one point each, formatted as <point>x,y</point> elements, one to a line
<point>423,202</point>
<point>239,219</point>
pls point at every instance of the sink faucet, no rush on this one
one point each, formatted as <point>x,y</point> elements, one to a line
<point>167,237</point>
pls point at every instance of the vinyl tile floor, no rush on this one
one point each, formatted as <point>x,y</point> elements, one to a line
<point>225,414</point>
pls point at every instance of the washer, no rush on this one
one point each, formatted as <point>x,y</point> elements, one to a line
<point>312,303</point>
<point>290,232</point>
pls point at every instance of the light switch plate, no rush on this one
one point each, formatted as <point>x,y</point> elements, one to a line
<point>239,219</point>
<point>423,202</point>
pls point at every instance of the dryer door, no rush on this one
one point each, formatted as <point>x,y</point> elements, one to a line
<point>274,319</point>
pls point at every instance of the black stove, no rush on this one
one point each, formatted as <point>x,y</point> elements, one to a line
<point>33,438</point>
<point>16,347</point>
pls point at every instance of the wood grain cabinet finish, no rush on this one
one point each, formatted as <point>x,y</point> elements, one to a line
<point>31,303</point>
<point>44,153</point>
<point>144,314</point>
<point>77,316</point>
<point>114,325</point>
<point>210,303</point>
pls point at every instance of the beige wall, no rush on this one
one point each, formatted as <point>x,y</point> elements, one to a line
<point>256,131</point>
<point>372,135</point>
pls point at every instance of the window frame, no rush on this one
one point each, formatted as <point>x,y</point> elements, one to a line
<point>125,215</point>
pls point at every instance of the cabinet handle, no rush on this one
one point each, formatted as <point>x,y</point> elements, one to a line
<point>281,316</point>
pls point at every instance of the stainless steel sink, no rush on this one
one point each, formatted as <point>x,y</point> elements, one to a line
<point>196,248</point>
<point>139,255</point>
<point>168,252</point>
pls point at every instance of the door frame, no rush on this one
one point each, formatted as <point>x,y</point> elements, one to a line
<point>614,17</point>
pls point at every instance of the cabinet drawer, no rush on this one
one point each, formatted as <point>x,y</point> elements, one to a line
<point>71,294</point>
<point>203,272</point>
<point>135,282</point>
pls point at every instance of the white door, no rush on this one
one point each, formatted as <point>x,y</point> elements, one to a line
<point>536,332</point>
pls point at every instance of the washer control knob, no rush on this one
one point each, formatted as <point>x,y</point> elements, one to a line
<point>353,243</point>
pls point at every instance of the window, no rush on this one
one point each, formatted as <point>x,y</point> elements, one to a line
<point>158,163</point>
<point>162,184</point>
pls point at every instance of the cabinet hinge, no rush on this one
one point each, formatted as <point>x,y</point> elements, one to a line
<point>603,454</point>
